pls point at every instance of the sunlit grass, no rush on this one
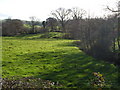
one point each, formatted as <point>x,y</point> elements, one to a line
<point>52,59</point>
<point>0,56</point>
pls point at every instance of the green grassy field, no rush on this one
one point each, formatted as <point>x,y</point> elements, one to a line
<point>53,59</point>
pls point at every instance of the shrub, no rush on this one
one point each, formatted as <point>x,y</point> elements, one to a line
<point>98,80</point>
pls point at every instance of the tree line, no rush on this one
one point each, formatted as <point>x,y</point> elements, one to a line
<point>99,37</point>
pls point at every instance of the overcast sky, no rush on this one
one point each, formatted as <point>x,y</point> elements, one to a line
<point>23,9</point>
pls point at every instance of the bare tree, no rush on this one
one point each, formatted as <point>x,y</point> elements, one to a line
<point>62,15</point>
<point>33,23</point>
<point>12,27</point>
<point>78,13</point>
<point>118,16</point>
<point>51,23</point>
<point>75,23</point>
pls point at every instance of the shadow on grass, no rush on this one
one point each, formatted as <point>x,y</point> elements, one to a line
<point>69,69</point>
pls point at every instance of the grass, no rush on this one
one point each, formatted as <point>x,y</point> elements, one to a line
<point>58,60</point>
<point>44,35</point>
<point>0,56</point>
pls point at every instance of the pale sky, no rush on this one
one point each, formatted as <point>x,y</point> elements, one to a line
<point>23,9</point>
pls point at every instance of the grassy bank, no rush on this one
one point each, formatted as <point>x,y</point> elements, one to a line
<point>58,60</point>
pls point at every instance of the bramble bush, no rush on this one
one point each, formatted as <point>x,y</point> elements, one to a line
<point>98,80</point>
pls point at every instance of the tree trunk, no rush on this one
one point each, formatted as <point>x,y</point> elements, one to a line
<point>118,37</point>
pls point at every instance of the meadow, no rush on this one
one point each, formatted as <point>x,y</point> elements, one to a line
<point>57,60</point>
